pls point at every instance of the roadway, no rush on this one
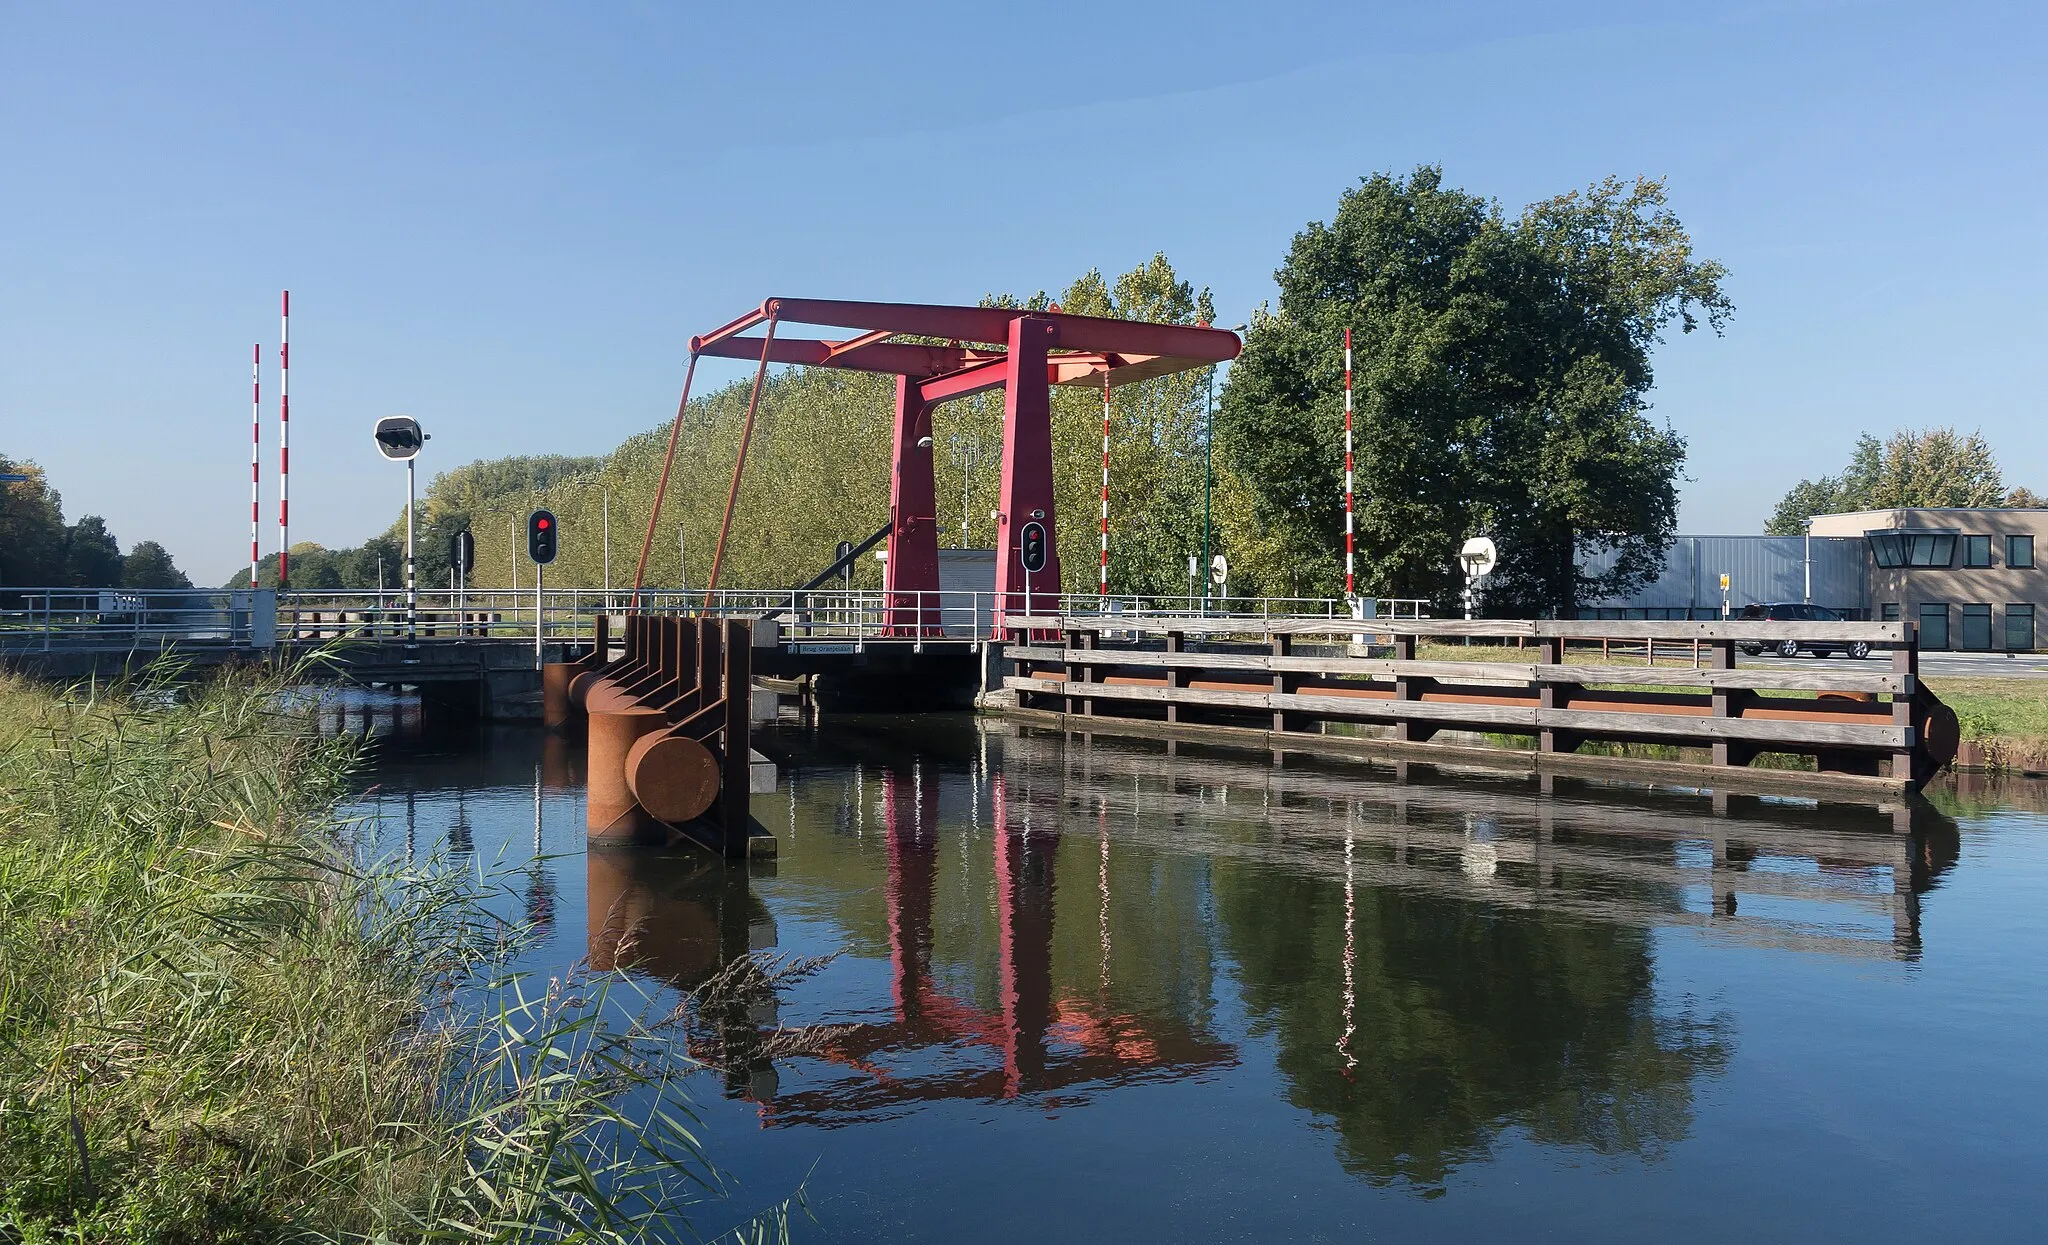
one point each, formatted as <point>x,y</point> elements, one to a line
<point>1932,665</point>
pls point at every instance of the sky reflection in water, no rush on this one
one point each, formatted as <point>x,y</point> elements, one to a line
<point>1104,989</point>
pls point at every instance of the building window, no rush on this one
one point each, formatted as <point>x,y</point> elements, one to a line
<point>2019,552</point>
<point>1888,612</point>
<point>1934,624</point>
<point>1976,551</point>
<point>1976,627</point>
<point>2019,628</point>
<point>1912,549</point>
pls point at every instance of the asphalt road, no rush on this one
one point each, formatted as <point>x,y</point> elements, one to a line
<point>1932,665</point>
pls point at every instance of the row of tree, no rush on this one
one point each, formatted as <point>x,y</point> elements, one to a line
<point>462,498</point>
<point>1936,468</point>
<point>818,473</point>
<point>38,549</point>
<point>1501,380</point>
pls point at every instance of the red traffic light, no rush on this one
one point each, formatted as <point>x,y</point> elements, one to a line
<point>540,537</point>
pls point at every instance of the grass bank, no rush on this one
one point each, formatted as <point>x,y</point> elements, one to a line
<point>2004,721</point>
<point>218,1025</point>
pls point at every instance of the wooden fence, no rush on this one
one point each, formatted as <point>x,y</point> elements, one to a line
<point>1301,678</point>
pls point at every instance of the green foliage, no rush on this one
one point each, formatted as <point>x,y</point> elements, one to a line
<point>1502,367</point>
<point>39,550</point>
<point>217,1026</point>
<point>149,565</point>
<point>92,557</point>
<point>32,531</point>
<point>1934,468</point>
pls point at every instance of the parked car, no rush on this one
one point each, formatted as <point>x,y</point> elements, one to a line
<point>1799,611</point>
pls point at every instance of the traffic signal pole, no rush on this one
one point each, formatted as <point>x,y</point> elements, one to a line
<point>541,542</point>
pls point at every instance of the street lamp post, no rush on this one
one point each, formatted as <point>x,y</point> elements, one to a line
<point>967,452</point>
<point>399,437</point>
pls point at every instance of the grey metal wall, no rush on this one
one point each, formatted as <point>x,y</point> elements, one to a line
<point>962,574</point>
<point>1759,569</point>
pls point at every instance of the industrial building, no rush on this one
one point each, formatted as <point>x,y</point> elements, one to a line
<point>1970,579</point>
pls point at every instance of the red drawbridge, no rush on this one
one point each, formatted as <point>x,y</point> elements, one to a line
<point>954,352</point>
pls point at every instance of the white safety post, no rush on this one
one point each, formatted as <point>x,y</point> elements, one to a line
<point>255,460</point>
<point>284,442</point>
<point>1350,579</point>
<point>1102,581</point>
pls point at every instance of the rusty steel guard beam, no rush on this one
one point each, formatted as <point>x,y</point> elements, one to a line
<point>668,733</point>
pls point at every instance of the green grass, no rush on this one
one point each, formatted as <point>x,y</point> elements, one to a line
<point>216,1025</point>
<point>2007,718</point>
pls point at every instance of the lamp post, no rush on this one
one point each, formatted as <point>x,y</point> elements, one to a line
<point>399,438</point>
<point>966,449</point>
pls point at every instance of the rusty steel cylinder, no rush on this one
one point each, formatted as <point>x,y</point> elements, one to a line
<point>611,811</point>
<point>579,687</point>
<point>672,777</point>
<point>555,708</point>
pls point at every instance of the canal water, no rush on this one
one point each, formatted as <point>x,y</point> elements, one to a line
<point>1114,990</point>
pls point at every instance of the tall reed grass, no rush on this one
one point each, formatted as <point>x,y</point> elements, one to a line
<point>219,1024</point>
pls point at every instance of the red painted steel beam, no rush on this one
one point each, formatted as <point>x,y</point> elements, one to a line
<point>741,325</point>
<point>978,379</point>
<point>1192,345</point>
<point>890,358</point>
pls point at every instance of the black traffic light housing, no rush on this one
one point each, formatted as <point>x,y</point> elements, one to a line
<point>1032,547</point>
<point>462,551</point>
<point>542,534</point>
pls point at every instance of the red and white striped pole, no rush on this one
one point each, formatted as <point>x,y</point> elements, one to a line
<point>255,457</point>
<point>284,444</point>
<point>1102,583</point>
<point>1350,539</point>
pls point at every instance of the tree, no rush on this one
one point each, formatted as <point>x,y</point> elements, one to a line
<point>149,565</point>
<point>92,557</point>
<point>32,534</point>
<point>1935,468</point>
<point>1502,371</point>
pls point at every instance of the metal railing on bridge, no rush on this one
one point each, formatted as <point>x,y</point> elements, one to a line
<point>73,619</point>
<point>857,615</point>
<point>51,620</point>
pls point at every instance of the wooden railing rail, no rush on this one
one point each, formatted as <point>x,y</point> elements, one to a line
<point>1873,723</point>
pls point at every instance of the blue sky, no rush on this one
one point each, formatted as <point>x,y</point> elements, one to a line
<point>506,220</point>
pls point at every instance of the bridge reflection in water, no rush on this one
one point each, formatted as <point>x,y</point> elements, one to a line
<point>685,918</point>
<point>1424,961</point>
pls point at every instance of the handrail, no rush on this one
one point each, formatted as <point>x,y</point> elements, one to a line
<point>1497,628</point>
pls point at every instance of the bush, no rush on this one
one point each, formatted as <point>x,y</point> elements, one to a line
<point>217,1025</point>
